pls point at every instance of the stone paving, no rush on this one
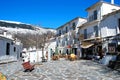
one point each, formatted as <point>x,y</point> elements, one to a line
<point>62,70</point>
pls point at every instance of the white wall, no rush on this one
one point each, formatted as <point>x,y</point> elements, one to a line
<point>52,44</point>
<point>19,49</point>
<point>12,54</point>
<point>102,9</point>
<point>2,47</point>
<point>109,26</point>
<point>90,30</point>
<point>107,8</point>
<point>90,12</point>
<point>36,56</point>
<point>68,35</point>
<point>33,56</point>
<point>3,43</point>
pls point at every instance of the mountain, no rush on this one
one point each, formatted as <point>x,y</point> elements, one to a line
<point>18,27</point>
<point>29,35</point>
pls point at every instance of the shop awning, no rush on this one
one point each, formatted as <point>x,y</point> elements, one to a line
<point>86,44</point>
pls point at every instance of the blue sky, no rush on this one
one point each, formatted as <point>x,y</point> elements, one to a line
<point>46,13</point>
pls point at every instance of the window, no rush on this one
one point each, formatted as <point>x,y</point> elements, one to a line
<point>60,51</point>
<point>73,25</point>
<point>118,48</point>
<point>85,33</point>
<point>8,49</point>
<point>91,18</point>
<point>75,40</point>
<point>63,44</point>
<point>63,32</point>
<point>95,14</point>
<point>21,54</point>
<point>59,41</point>
<point>119,23</point>
<point>96,31</point>
<point>59,32</point>
<point>66,40</point>
<point>14,49</point>
<point>57,44</point>
<point>66,29</point>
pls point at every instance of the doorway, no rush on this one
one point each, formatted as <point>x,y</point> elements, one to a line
<point>74,51</point>
<point>8,49</point>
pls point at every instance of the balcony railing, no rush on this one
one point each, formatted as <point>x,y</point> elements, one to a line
<point>89,35</point>
<point>81,37</point>
<point>92,18</point>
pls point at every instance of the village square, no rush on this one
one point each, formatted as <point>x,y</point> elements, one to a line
<point>81,49</point>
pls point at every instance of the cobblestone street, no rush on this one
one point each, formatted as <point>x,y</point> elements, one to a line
<point>61,70</point>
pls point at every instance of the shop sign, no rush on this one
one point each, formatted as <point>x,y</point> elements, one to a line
<point>111,47</point>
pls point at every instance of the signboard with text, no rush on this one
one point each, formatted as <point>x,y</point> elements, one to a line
<point>111,47</point>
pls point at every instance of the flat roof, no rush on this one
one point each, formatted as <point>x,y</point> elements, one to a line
<point>69,22</point>
<point>100,2</point>
<point>112,13</point>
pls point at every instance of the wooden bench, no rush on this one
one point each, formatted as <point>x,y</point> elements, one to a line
<point>27,66</point>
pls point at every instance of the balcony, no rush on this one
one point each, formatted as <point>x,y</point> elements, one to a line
<point>92,18</point>
<point>57,35</point>
<point>91,35</point>
<point>63,32</point>
<point>81,37</point>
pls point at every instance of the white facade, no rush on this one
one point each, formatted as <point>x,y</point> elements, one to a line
<point>50,47</point>
<point>95,15</point>
<point>110,27</point>
<point>33,55</point>
<point>102,23</point>
<point>36,56</point>
<point>10,49</point>
<point>67,35</point>
<point>110,24</point>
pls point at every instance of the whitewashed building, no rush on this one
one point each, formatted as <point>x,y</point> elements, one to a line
<point>110,27</point>
<point>33,55</point>
<point>90,32</point>
<point>50,47</point>
<point>67,36</point>
<point>110,33</point>
<point>10,49</point>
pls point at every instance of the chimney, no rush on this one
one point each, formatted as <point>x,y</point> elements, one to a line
<point>112,1</point>
<point>101,0</point>
<point>5,33</point>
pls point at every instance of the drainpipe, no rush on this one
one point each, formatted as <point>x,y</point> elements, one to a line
<point>5,33</point>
